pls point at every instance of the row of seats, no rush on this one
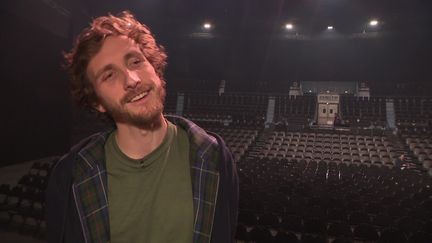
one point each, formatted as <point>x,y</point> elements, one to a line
<point>321,198</point>
<point>421,147</point>
<point>300,110</point>
<point>362,111</point>
<point>336,233</point>
<point>328,147</point>
<point>295,110</point>
<point>413,113</point>
<point>23,206</point>
<point>238,140</point>
<point>322,135</point>
<point>412,130</point>
<point>170,103</point>
<point>234,106</point>
<point>206,119</point>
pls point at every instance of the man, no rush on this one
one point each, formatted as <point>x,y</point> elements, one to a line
<point>400,161</point>
<point>152,179</point>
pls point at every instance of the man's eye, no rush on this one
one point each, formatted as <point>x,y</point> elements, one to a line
<point>136,62</point>
<point>108,76</point>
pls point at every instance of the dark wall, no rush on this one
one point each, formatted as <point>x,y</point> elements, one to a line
<point>383,61</point>
<point>36,106</point>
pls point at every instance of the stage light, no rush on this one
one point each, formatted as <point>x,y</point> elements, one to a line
<point>289,26</point>
<point>207,26</point>
<point>373,22</point>
<point>330,27</point>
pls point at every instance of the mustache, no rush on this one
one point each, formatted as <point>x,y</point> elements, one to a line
<point>129,95</point>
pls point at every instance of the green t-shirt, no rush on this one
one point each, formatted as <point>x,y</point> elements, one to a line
<point>150,199</point>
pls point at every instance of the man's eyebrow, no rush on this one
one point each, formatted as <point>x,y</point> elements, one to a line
<point>111,66</point>
<point>132,54</point>
<point>105,68</point>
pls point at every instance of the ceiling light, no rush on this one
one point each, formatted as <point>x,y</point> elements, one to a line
<point>330,27</point>
<point>289,26</point>
<point>207,26</point>
<point>373,23</point>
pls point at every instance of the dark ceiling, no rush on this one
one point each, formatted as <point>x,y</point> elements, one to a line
<point>249,42</point>
<point>309,16</point>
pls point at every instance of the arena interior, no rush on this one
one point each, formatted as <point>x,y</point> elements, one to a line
<point>325,105</point>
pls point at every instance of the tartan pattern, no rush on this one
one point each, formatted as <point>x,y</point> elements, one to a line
<point>90,191</point>
<point>90,184</point>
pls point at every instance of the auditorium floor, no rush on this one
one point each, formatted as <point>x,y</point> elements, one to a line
<point>11,175</point>
<point>14,237</point>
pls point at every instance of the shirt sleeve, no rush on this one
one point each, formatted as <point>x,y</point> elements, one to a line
<point>225,222</point>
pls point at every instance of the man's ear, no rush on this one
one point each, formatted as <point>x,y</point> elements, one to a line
<point>99,107</point>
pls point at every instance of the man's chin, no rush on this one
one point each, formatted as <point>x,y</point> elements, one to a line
<point>149,123</point>
<point>146,121</point>
<point>149,117</point>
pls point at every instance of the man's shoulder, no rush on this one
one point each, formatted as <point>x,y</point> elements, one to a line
<point>202,141</point>
<point>196,134</point>
<point>67,160</point>
<point>85,142</point>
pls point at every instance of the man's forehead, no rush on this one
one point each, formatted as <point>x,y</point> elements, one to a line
<point>113,49</point>
<point>120,41</point>
<point>116,46</point>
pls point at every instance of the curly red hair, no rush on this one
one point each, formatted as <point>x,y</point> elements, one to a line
<point>89,42</point>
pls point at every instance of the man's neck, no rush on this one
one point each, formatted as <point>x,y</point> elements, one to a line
<point>137,142</point>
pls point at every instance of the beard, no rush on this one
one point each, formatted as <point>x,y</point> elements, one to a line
<point>148,117</point>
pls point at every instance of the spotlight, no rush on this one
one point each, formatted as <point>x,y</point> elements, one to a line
<point>373,22</point>
<point>207,26</point>
<point>289,26</point>
<point>330,27</point>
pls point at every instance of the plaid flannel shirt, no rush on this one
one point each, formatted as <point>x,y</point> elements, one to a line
<point>89,186</point>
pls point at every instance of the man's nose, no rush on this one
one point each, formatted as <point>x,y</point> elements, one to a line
<point>132,79</point>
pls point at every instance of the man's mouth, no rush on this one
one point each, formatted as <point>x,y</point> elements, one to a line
<point>139,96</point>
